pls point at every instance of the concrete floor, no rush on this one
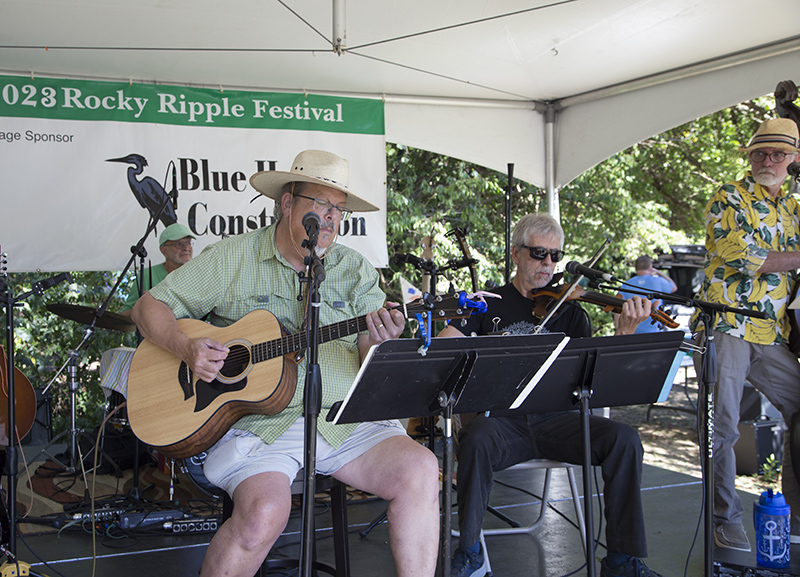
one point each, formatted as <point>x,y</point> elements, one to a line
<point>672,503</point>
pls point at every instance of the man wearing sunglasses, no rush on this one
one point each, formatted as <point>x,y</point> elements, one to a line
<point>488,444</point>
<point>752,242</point>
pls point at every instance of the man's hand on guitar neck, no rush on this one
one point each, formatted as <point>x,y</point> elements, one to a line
<point>156,321</point>
<point>383,324</point>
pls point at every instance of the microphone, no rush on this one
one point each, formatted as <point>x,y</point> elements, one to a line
<point>576,268</point>
<point>405,258</point>
<point>794,169</point>
<point>42,285</point>
<point>311,222</point>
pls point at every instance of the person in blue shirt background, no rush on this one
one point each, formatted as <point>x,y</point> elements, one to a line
<point>648,278</point>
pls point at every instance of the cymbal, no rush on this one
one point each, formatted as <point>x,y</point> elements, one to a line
<point>86,315</point>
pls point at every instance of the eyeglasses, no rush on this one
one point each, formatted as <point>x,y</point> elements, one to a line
<point>760,155</point>
<point>180,243</point>
<point>540,253</point>
<point>324,205</point>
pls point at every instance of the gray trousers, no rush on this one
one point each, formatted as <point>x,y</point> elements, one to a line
<point>773,370</point>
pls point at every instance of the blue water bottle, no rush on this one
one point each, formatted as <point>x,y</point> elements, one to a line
<point>771,518</point>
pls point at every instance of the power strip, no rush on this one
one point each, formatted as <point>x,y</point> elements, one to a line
<point>198,525</point>
<point>141,520</point>
<point>100,515</point>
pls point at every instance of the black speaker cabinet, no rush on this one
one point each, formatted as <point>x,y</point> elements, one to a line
<point>757,441</point>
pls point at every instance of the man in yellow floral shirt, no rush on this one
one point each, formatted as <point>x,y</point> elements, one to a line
<point>753,244</point>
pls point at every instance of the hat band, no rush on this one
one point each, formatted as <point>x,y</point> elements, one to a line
<point>779,138</point>
<point>314,176</point>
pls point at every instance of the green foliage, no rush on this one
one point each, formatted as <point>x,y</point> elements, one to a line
<point>770,473</point>
<point>643,200</point>
<point>43,342</point>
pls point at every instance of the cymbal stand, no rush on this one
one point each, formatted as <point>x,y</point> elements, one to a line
<point>74,459</point>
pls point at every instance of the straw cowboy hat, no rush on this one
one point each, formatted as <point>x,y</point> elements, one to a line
<point>775,133</point>
<point>316,167</point>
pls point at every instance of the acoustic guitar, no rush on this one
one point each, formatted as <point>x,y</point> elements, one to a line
<point>180,415</point>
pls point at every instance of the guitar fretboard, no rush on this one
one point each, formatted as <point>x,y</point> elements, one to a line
<point>298,341</point>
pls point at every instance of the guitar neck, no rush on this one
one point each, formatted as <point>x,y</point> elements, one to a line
<point>444,307</point>
<point>299,341</point>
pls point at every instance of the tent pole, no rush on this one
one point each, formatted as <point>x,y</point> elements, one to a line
<point>550,162</point>
<point>509,192</point>
<point>339,40</point>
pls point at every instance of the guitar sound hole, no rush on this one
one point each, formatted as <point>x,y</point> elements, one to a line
<point>237,362</point>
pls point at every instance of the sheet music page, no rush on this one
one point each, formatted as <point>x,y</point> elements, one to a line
<point>361,370</point>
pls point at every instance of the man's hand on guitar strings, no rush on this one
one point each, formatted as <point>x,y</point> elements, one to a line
<point>206,357</point>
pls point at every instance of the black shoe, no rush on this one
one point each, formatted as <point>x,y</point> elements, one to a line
<point>633,567</point>
<point>467,564</point>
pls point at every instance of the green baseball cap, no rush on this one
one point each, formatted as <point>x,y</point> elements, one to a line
<point>175,231</point>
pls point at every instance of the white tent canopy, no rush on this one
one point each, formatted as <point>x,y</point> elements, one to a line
<point>552,87</point>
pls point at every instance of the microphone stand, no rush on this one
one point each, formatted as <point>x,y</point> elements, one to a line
<point>12,455</point>
<point>312,399</point>
<point>707,311</point>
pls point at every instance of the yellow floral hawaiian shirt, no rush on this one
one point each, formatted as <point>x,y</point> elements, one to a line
<point>744,223</point>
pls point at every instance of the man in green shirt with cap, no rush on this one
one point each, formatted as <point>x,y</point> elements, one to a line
<point>176,244</point>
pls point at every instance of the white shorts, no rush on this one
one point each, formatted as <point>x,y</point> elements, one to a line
<point>241,454</point>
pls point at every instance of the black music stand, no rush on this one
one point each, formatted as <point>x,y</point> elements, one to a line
<point>396,381</point>
<point>535,374</point>
<point>604,372</point>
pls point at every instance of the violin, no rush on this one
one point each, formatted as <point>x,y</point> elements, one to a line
<point>543,299</point>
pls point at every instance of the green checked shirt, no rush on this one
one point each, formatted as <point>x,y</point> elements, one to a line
<point>743,224</point>
<point>243,273</point>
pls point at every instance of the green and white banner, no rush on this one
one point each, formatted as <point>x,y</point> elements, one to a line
<point>85,163</point>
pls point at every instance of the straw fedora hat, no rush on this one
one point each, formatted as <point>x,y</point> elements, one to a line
<point>316,167</point>
<point>779,133</point>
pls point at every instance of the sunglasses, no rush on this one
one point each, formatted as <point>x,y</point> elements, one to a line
<point>540,253</point>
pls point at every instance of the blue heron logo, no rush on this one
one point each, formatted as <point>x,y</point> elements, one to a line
<point>148,192</point>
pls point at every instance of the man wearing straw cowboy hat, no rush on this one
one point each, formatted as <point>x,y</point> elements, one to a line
<point>753,250</point>
<point>257,459</point>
